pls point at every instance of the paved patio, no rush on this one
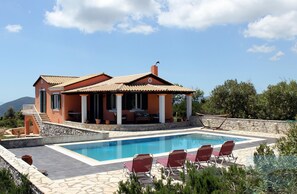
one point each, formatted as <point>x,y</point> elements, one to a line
<point>69,175</point>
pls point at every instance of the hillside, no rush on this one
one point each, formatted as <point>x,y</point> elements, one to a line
<point>16,104</point>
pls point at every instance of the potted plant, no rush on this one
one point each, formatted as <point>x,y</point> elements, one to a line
<point>98,121</point>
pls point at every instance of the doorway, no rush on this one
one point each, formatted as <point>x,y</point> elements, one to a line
<point>96,107</point>
<point>42,101</point>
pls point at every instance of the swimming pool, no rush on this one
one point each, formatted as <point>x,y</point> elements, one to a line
<point>127,148</point>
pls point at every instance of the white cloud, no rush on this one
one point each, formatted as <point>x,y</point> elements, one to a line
<point>274,27</point>
<point>14,28</point>
<point>101,15</point>
<point>261,49</point>
<point>294,48</point>
<point>265,19</point>
<point>277,56</point>
<point>200,14</point>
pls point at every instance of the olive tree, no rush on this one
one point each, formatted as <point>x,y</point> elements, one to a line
<point>10,113</point>
<point>279,101</point>
<point>179,102</point>
<point>238,99</point>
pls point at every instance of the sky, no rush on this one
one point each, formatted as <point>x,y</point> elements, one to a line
<point>200,43</point>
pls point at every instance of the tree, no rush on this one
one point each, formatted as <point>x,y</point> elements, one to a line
<point>233,98</point>
<point>279,101</point>
<point>12,119</point>
<point>9,114</point>
<point>179,102</point>
<point>198,100</point>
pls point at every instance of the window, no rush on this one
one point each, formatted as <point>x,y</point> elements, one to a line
<point>56,101</point>
<point>130,101</point>
<point>111,101</point>
<point>137,101</point>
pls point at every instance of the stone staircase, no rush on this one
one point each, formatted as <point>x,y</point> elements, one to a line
<point>44,117</point>
<point>29,109</point>
<point>40,118</point>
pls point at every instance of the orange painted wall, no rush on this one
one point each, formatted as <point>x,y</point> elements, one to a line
<point>54,115</point>
<point>106,114</point>
<point>71,103</point>
<point>35,127</point>
<point>153,105</point>
<point>88,82</point>
<point>153,108</point>
<point>40,85</point>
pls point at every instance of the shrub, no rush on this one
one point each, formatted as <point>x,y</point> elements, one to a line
<point>271,174</point>
<point>287,146</point>
<point>208,180</point>
<point>278,173</point>
<point>7,184</point>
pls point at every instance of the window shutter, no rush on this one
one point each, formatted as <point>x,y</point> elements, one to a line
<point>108,101</point>
<point>130,101</point>
<point>124,102</point>
<point>144,101</point>
<point>44,95</point>
<point>52,101</point>
<point>59,101</point>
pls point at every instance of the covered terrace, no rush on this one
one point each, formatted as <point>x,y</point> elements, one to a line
<point>121,99</point>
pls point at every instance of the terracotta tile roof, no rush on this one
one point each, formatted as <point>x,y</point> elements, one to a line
<point>75,80</point>
<point>131,88</point>
<point>54,80</point>
<point>125,79</point>
<point>155,88</point>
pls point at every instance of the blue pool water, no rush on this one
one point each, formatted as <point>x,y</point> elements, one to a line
<point>112,150</point>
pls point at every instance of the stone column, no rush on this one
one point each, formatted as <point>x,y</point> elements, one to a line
<point>189,105</point>
<point>84,108</point>
<point>119,108</point>
<point>162,108</point>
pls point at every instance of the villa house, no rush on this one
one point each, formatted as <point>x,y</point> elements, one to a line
<point>142,97</point>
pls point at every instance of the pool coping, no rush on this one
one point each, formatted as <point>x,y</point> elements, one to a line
<point>62,167</point>
<point>94,162</point>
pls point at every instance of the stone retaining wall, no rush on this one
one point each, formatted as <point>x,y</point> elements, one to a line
<point>22,142</point>
<point>54,129</point>
<point>53,133</point>
<point>266,126</point>
<point>130,127</point>
<point>16,166</point>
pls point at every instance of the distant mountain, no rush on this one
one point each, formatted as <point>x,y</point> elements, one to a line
<point>16,104</point>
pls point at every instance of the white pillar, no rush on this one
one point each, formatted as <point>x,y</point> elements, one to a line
<point>162,108</point>
<point>189,106</point>
<point>119,108</point>
<point>84,106</point>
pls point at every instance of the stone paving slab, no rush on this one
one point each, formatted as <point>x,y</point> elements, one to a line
<point>67,175</point>
<point>61,166</point>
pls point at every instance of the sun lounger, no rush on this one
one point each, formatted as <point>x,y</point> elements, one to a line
<point>175,160</point>
<point>226,151</point>
<point>141,164</point>
<point>203,154</point>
